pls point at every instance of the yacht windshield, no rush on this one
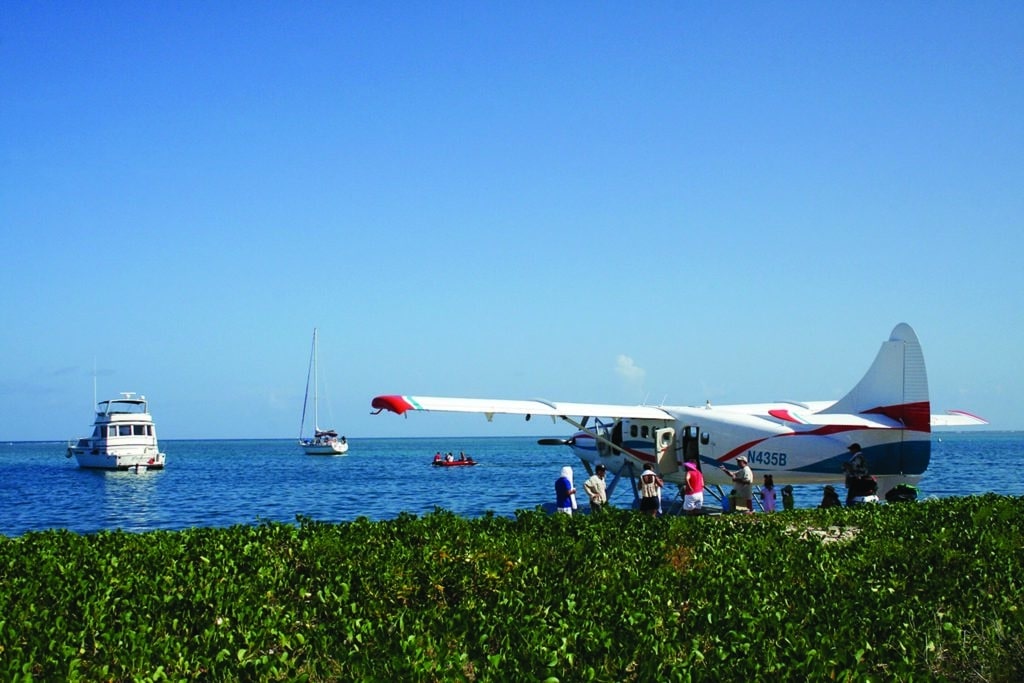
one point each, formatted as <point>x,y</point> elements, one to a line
<point>123,405</point>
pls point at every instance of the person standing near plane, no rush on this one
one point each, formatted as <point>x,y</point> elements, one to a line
<point>693,489</point>
<point>594,486</point>
<point>856,465</point>
<point>830,499</point>
<point>743,479</point>
<point>768,493</point>
<point>787,497</point>
<point>856,469</point>
<point>650,491</point>
<point>565,494</point>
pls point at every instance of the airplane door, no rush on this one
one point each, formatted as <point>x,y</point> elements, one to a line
<point>665,450</point>
<point>690,446</point>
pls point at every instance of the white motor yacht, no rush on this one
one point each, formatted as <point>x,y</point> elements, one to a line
<point>123,437</point>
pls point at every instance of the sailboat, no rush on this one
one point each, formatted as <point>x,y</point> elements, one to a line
<point>324,441</point>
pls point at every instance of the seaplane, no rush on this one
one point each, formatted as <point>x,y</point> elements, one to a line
<point>887,414</point>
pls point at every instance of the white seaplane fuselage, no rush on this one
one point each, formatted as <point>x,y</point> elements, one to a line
<point>791,453</point>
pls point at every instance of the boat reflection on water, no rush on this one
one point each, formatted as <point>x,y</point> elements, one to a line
<point>129,499</point>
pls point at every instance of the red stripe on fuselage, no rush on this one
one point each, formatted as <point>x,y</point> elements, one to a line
<point>915,416</point>
<point>824,430</point>
<point>737,451</point>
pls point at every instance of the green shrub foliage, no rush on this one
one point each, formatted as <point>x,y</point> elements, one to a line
<point>921,591</point>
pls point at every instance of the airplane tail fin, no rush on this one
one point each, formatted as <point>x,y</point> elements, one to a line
<point>895,386</point>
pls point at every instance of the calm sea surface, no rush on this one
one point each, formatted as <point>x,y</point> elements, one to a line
<point>221,483</point>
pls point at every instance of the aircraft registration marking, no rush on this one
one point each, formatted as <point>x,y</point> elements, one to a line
<point>767,458</point>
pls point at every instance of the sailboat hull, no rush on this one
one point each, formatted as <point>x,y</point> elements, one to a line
<point>332,448</point>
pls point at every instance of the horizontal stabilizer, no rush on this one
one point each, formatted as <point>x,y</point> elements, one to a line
<point>957,418</point>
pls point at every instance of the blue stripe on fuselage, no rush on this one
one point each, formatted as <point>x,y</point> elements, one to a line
<point>908,457</point>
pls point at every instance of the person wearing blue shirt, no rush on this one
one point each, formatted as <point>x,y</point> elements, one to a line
<point>565,494</point>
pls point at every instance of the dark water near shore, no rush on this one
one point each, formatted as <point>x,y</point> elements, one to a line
<point>221,482</point>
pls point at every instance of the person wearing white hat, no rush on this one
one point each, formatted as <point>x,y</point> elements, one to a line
<point>650,491</point>
<point>743,479</point>
<point>565,493</point>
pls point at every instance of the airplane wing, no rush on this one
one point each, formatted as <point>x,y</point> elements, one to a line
<point>489,407</point>
<point>957,418</point>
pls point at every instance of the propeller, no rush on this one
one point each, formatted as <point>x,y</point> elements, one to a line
<point>556,442</point>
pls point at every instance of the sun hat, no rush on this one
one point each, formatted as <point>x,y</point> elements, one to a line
<point>742,458</point>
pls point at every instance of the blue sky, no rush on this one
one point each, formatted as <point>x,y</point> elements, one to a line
<point>601,202</point>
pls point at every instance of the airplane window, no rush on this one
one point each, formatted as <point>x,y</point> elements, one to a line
<point>643,432</point>
<point>632,431</point>
<point>705,438</point>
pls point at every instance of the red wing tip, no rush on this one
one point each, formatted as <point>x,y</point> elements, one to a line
<point>396,404</point>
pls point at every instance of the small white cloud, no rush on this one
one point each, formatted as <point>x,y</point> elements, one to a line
<point>629,371</point>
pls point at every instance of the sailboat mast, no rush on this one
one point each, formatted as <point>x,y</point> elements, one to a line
<point>316,386</point>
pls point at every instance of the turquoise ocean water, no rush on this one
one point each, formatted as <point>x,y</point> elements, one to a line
<point>222,483</point>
